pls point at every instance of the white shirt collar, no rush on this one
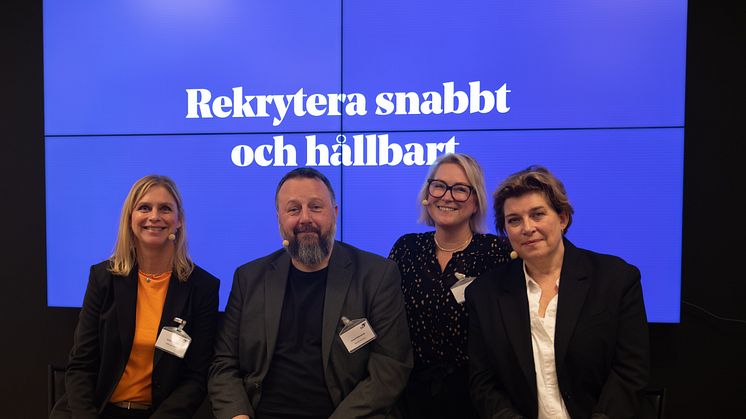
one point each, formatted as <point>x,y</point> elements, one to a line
<point>531,282</point>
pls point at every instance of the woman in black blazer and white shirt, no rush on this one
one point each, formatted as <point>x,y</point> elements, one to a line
<point>115,369</point>
<point>560,332</point>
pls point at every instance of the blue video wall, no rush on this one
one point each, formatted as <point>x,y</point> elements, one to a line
<point>227,96</point>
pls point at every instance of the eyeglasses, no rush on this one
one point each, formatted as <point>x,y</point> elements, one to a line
<point>459,191</point>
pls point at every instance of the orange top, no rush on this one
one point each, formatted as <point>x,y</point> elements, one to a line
<point>136,382</point>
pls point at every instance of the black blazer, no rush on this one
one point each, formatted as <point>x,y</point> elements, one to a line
<point>364,384</point>
<point>103,341</point>
<point>601,339</point>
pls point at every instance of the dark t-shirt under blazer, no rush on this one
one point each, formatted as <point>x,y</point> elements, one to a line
<point>366,383</point>
<point>294,387</point>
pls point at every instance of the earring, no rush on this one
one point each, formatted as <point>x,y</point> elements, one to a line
<point>172,236</point>
<point>424,202</point>
<point>513,255</point>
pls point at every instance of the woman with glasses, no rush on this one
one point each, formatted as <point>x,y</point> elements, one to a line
<point>436,267</point>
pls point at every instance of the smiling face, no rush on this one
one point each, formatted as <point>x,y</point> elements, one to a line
<point>308,219</point>
<point>154,217</point>
<point>445,211</point>
<point>534,227</point>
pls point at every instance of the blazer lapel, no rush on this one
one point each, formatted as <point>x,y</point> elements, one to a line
<point>573,288</point>
<point>513,304</point>
<point>275,282</point>
<point>125,295</point>
<point>176,297</point>
<point>337,282</point>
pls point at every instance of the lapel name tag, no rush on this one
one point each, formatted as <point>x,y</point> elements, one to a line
<point>174,340</point>
<point>356,333</point>
<point>459,288</point>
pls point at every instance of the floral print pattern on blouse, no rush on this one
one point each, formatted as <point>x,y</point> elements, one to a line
<point>437,323</point>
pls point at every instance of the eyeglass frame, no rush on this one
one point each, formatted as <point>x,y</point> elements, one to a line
<point>449,188</point>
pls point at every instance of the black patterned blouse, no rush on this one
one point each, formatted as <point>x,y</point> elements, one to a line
<point>437,323</point>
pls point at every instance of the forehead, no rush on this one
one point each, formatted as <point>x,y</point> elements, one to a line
<point>303,189</point>
<point>451,172</point>
<point>157,193</point>
<point>525,202</point>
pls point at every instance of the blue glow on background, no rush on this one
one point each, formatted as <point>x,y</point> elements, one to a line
<point>230,210</point>
<point>625,187</point>
<point>123,67</point>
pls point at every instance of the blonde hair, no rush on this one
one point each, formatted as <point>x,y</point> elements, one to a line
<point>474,174</point>
<point>125,252</point>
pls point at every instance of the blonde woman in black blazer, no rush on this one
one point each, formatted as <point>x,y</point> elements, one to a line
<point>151,247</point>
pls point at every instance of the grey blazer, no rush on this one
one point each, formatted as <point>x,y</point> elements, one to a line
<point>364,384</point>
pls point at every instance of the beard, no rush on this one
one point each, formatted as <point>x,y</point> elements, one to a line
<point>312,247</point>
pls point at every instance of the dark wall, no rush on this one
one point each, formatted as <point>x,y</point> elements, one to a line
<point>23,341</point>
<point>699,361</point>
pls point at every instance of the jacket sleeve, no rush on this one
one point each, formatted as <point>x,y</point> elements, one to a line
<point>620,395</point>
<point>83,365</point>
<point>489,400</point>
<point>390,359</point>
<point>225,383</point>
<point>186,398</point>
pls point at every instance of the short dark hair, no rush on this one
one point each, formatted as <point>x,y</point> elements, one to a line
<point>306,173</point>
<point>532,179</point>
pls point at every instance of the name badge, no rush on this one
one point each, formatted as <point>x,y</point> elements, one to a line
<point>174,340</point>
<point>356,333</point>
<point>459,288</point>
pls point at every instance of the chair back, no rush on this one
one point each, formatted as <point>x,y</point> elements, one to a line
<point>55,385</point>
<point>651,406</point>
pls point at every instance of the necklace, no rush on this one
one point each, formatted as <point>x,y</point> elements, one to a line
<point>454,249</point>
<point>150,277</point>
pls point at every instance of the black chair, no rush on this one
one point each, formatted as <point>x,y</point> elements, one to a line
<point>651,406</point>
<point>55,385</point>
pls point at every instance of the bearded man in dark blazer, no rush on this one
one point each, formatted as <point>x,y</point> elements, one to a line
<point>280,352</point>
